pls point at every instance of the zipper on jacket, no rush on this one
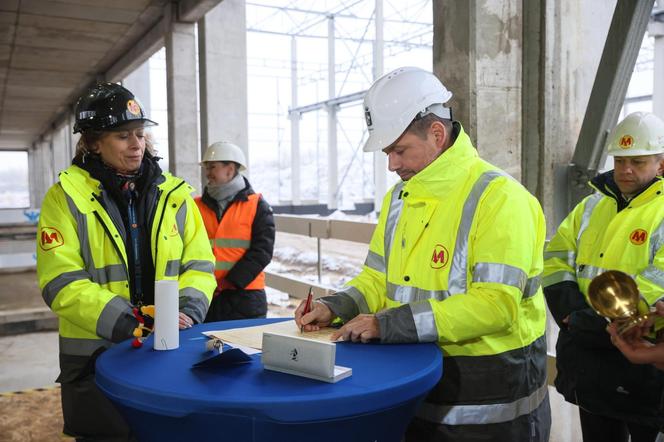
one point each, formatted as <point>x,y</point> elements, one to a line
<point>115,245</point>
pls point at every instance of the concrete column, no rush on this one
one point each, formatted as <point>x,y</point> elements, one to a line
<point>380,159</point>
<point>60,149</point>
<point>483,73</point>
<point>138,82</point>
<point>33,175</point>
<point>41,171</point>
<point>656,30</point>
<point>183,138</point>
<point>222,39</point>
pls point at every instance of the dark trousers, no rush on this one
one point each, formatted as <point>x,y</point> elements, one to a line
<point>596,428</point>
<point>89,416</point>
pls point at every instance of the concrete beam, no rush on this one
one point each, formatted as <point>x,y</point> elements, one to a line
<point>151,42</point>
<point>191,11</point>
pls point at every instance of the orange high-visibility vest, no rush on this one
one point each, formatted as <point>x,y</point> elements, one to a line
<point>231,238</point>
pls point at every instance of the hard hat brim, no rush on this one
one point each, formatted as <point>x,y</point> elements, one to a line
<point>635,153</point>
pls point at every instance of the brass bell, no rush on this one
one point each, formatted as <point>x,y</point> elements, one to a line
<point>615,296</point>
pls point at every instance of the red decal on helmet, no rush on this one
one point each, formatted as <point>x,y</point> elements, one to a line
<point>133,107</point>
<point>626,142</point>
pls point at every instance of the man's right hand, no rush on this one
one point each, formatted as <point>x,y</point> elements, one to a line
<point>319,316</point>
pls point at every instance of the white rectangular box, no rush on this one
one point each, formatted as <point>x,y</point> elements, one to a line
<point>302,357</point>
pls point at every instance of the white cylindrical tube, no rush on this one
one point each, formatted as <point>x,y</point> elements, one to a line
<point>166,317</point>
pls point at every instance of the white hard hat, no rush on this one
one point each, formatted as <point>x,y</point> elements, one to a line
<point>640,133</point>
<point>225,151</point>
<point>395,99</point>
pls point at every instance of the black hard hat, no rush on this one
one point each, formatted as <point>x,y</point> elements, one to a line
<point>107,106</point>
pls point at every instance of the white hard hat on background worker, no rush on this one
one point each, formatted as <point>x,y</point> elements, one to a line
<point>396,99</point>
<point>640,133</point>
<point>225,151</point>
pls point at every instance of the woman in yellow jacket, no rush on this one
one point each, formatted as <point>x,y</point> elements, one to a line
<point>111,226</point>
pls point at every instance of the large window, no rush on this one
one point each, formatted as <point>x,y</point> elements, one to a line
<point>14,186</point>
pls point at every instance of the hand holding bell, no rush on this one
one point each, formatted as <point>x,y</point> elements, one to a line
<point>615,296</point>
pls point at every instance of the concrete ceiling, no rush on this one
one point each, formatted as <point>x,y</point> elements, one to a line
<point>50,50</point>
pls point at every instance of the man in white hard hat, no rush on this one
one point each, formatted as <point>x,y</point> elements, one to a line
<point>240,226</point>
<point>619,227</point>
<point>455,259</point>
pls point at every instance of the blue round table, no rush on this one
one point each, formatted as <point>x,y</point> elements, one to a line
<point>164,399</point>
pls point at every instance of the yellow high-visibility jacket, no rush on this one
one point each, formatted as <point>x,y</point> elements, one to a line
<point>605,232</point>
<point>595,237</point>
<point>82,260</point>
<point>456,259</point>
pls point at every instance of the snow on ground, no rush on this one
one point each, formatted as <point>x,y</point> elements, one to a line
<point>297,255</point>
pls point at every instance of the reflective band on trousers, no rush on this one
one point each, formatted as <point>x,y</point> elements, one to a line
<point>482,414</point>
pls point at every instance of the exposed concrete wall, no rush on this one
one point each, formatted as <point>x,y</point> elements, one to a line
<point>478,55</point>
<point>479,60</point>
<point>575,36</point>
<point>222,40</point>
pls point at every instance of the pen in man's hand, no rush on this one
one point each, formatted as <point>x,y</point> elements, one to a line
<point>307,306</point>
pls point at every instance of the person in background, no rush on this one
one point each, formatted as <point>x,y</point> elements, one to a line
<point>455,259</point>
<point>240,227</point>
<point>619,227</point>
<point>111,226</point>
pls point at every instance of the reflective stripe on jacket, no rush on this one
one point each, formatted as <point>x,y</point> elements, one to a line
<point>82,260</point>
<point>231,238</point>
<point>595,237</point>
<point>456,258</point>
